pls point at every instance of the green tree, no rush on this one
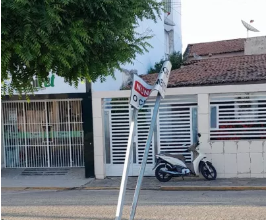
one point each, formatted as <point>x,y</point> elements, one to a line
<point>74,39</point>
<point>175,58</point>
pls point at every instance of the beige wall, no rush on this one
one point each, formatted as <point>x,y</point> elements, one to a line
<point>255,45</point>
<point>99,147</point>
<point>231,158</point>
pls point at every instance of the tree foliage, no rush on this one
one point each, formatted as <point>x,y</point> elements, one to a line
<point>175,58</point>
<point>74,39</point>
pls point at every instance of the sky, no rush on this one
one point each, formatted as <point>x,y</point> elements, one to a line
<point>213,20</point>
<point>205,21</point>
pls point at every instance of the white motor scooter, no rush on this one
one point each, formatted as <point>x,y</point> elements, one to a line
<point>174,165</point>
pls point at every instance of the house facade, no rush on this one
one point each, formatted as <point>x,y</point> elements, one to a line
<point>222,97</point>
<point>52,130</point>
<point>55,128</point>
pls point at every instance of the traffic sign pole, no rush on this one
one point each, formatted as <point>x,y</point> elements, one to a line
<point>161,86</point>
<point>145,156</point>
<point>122,193</point>
<point>139,94</point>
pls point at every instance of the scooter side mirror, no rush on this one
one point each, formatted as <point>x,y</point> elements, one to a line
<point>199,135</point>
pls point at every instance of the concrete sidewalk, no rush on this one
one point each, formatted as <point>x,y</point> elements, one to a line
<point>73,178</point>
<point>43,177</point>
<point>190,183</point>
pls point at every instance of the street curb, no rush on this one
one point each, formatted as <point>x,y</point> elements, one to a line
<point>211,188</point>
<point>162,188</point>
<point>36,188</point>
<point>100,188</point>
<point>68,188</point>
<point>58,188</point>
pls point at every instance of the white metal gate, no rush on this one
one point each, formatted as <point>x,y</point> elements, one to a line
<point>44,133</point>
<point>177,116</point>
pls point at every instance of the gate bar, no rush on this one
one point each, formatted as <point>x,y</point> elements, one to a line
<point>69,138</point>
<point>121,198</point>
<point>47,131</point>
<point>25,139</point>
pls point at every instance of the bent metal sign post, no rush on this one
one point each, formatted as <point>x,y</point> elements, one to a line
<point>139,94</point>
<point>141,90</point>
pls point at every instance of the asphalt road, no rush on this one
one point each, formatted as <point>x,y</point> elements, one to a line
<point>162,205</point>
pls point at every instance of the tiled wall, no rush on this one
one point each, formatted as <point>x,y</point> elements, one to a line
<point>241,159</point>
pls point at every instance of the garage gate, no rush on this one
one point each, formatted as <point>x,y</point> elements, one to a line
<point>175,130</point>
<point>44,133</point>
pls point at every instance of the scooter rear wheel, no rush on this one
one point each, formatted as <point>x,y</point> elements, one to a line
<point>161,176</point>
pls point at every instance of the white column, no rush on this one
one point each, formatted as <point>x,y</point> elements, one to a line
<point>99,148</point>
<point>204,121</point>
<point>2,151</point>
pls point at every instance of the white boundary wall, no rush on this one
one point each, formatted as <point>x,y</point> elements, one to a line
<point>243,158</point>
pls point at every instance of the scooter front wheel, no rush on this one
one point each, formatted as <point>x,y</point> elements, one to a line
<point>161,176</point>
<point>208,171</point>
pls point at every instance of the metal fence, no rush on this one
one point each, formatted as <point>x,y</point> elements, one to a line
<point>44,133</point>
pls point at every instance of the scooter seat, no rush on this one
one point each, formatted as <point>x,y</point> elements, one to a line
<point>177,156</point>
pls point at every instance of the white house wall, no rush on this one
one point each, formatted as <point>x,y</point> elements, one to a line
<point>178,27</point>
<point>143,62</point>
<point>231,158</point>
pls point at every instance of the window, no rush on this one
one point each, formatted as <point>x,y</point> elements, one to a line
<point>238,116</point>
<point>168,5</point>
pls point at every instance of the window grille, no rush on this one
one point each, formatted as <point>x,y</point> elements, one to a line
<point>43,133</point>
<point>238,116</point>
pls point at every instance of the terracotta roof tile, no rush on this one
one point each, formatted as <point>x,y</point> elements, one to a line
<point>228,70</point>
<point>217,47</point>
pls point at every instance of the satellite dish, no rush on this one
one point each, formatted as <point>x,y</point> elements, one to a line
<point>249,27</point>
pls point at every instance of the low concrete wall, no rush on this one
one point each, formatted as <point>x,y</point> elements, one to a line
<point>255,45</point>
<point>243,159</point>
